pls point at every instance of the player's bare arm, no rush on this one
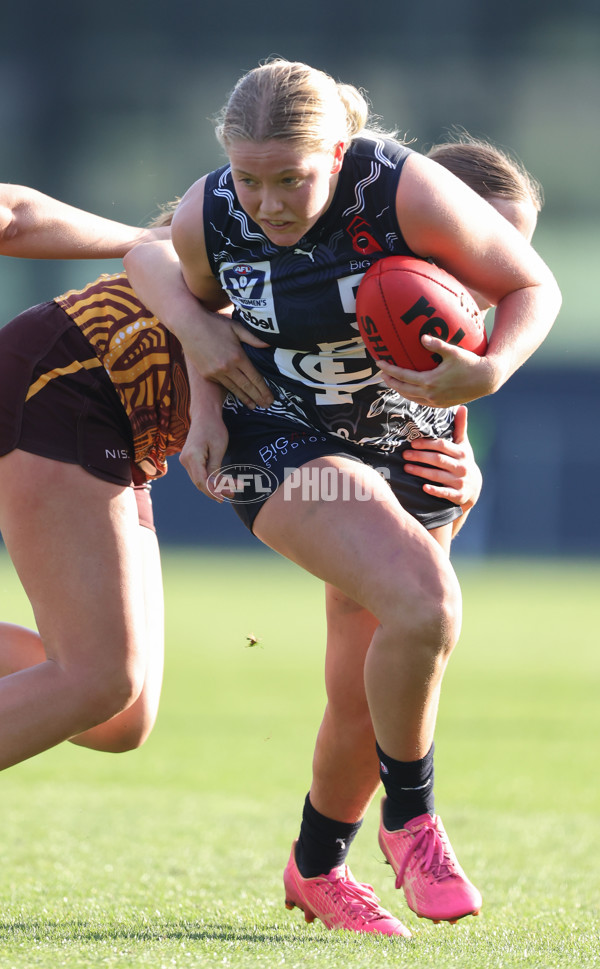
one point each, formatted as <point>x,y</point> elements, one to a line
<point>37,226</point>
<point>210,341</point>
<point>441,218</point>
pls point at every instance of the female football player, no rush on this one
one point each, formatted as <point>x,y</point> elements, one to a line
<point>93,397</point>
<point>50,508</point>
<point>345,772</point>
<point>308,199</point>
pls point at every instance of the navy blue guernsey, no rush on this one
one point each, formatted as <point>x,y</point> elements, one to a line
<point>301,300</point>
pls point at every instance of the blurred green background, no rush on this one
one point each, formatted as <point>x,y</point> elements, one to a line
<point>109,106</point>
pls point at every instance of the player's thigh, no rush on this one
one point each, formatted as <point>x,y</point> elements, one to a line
<point>73,539</point>
<point>369,548</point>
<point>154,619</point>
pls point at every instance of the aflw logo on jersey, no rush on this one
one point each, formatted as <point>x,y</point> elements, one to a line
<point>249,289</point>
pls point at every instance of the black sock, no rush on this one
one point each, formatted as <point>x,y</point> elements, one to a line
<point>323,843</point>
<point>409,788</point>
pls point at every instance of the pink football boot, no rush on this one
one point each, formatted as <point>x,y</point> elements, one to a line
<point>339,901</point>
<point>427,869</point>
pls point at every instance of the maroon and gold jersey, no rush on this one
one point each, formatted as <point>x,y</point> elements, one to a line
<point>144,362</point>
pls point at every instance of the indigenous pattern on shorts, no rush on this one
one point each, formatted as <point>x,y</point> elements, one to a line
<point>301,300</point>
<point>144,362</point>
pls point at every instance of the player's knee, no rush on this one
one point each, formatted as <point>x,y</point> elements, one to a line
<point>431,620</point>
<point>440,618</point>
<point>123,731</point>
<point>110,690</point>
<point>130,735</point>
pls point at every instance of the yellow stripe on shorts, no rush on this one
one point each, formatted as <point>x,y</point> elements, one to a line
<point>41,382</point>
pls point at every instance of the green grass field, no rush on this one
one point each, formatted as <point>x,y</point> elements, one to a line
<point>173,855</point>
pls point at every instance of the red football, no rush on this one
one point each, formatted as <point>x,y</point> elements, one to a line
<point>400,298</point>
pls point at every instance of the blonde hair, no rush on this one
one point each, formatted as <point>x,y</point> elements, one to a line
<point>165,215</point>
<point>290,101</point>
<point>488,170</point>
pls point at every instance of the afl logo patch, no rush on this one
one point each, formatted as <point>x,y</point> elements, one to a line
<point>248,286</point>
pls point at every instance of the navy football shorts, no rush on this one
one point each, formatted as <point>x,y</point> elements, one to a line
<point>265,449</point>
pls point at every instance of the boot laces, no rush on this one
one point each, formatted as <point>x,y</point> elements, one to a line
<point>432,851</point>
<point>358,898</point>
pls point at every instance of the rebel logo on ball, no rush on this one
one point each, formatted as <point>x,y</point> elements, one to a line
<point>402,298</point>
